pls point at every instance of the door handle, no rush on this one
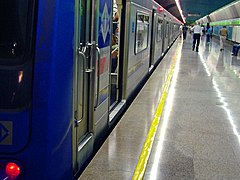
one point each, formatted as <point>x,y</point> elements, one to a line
<point>81,53</point>
<point>98,75</point>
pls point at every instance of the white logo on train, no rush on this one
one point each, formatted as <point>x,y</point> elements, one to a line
<point>105,23</point>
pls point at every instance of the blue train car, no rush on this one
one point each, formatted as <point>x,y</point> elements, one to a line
<point>36,70</point>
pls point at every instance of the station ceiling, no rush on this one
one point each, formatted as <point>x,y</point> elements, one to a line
<point>193,9</point>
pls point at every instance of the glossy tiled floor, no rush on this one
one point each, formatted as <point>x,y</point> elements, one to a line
<point>199,133</point>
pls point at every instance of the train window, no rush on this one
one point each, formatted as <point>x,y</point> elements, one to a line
<point>142,31</point>
<point>167,30</point>
<point>16,49</point>
<point>13,31</point>
<point>159,29</point>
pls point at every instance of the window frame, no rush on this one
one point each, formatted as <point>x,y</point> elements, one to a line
<point>167,29</point>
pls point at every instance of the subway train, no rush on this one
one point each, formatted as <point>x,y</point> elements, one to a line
<point>228,16</point>
<point>67,70</point>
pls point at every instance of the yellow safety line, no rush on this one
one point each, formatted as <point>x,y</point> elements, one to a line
<point>143,159</point>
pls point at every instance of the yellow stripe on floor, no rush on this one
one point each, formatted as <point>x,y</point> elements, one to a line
<point>143,159</point>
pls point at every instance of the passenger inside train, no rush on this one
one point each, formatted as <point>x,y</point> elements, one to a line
<point>114,56</point>
<point>115,43</point>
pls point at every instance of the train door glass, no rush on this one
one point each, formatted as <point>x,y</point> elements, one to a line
<point>159,29</point>
<point>162,36</point>
<point>159,33</point>
<point>167,34</point>
<point>114,69</point>
<point>81,85</point>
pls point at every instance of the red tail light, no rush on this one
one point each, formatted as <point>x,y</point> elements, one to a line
<point>12,170</point>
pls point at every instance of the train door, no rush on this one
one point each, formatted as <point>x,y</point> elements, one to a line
<point>114,57</point>
<point>115,63</point>
<point>82,85</point>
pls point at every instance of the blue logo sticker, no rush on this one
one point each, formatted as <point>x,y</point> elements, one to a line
<point>104,33</point>
<point>6,132</point>
<point>3,133</point>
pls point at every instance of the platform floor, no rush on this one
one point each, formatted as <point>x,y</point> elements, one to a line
<point>198,136</point>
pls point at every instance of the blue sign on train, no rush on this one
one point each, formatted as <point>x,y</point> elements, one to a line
<point>3,132</point>
<point>104,27</point>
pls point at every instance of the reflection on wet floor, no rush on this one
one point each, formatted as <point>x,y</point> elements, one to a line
<point>202,139</point>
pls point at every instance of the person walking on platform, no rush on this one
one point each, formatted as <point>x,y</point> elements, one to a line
<point>223,36</point>
<point>196,36</point>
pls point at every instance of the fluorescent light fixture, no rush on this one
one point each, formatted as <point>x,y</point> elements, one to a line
<point>180,10</point>
<point>194,14</point>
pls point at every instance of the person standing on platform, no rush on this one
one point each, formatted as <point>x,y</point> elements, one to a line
<point>196,36</point>
<point>211,33</point>
<point>208,31</point>
<point>223,36</point>
<point>180,30</point>
<point>184,30</point>
<point>202,30</point>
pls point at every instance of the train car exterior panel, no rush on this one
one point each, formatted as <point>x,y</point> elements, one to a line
<point>139,45</point>
<point>53,82</point>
